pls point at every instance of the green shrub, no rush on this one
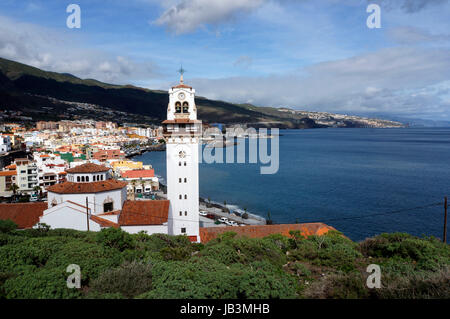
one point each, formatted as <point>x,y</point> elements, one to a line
<point>115,238</point>
<point>243,250</point>
<point>340,285</point>
<point>330,250</point>
<point>201,278</point>
<point>7,226</point>
<point>33,251</point>
<point>424,253</point>
<point>41,284</point>
<point>415,285</point>
<point>126,281</point>
<point>93,259</point>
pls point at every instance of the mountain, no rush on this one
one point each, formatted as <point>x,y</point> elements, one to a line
<point>50,95</point>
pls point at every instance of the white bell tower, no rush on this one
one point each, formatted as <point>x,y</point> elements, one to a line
<point>182,132</point>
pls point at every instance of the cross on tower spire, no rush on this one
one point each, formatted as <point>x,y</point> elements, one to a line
<point>181,71</point>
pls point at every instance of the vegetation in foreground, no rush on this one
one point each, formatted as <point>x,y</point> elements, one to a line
<point>115,264</point>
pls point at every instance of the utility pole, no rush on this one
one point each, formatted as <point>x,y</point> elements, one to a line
<point>87,213</point>
<point>445,220</point>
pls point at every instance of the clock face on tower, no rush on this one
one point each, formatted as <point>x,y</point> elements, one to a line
<point>182,154</point>
<point>181,96</point>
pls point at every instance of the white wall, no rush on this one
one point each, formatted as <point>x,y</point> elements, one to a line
<point>68,215</point>
<point>150,229</point>
<point>95,200</point>
<point>175,188</point>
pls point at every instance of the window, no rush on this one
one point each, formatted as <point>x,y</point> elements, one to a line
<point>179,163</point>
<point>179,180</point>
<point>82,178</point>
<point>183,230</point>
<point>177,107</point>
<point>185,196</point>
<point>108,207</point>
<point>87,178</point>
<point>184,163</point>
<point>181,197</point>
<point>181,213</point>
<point>185,213</point>
<point>185,107</point>
<point>185,180</point>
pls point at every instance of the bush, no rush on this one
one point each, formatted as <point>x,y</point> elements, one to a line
<point>339,286</point>
<point>425,253</point>
<point>41,284</point>
<point>331,250</point>
<point>7,226</point>
<point>115,238</point>
<point>92,259</point>
<point>33,251</point>
<point>126,281</point>
<point>244,250</point>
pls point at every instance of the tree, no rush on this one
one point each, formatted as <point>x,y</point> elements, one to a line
<point>13,188</point>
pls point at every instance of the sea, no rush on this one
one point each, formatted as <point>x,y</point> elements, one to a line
<point>362,181</point>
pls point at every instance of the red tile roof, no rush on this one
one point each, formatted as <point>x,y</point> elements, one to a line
<point>25,215</point>
<point>86,188</point>
<point>144,212</point>
<point>188,121</point>
<point>88,168</point>
<point>8,173</point>
<point>181,86</point>
<point>259,231</point>
<point>103,222</point>
<point>139,173</point>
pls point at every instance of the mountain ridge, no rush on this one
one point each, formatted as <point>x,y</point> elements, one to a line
<point>23,87</point>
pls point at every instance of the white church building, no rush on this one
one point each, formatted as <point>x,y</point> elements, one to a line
<point>90,199</point>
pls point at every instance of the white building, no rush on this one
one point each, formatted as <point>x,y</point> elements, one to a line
<point>182,132</point>
<point>5,143</point>
<point>91,200</point>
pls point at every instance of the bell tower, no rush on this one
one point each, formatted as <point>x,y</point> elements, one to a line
<point>182,132</point>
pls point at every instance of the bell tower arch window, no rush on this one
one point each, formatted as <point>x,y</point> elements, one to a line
<point>185,107</point>
<point>178,107</point>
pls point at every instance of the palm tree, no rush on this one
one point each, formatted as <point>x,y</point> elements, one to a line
<point>14,189</point>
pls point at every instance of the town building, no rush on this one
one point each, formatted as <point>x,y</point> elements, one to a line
<point>27,175</point>
<point>5,143</point>
<point>7,179</point>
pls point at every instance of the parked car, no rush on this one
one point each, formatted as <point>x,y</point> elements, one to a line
<point>203,213</point>
<point>233,223</point>
<point>33,198</point>
<point>228,222</point>
<point>223,219</point>
<point>211,216</point>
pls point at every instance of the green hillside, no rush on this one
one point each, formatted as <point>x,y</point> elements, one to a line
<point>116,264</point>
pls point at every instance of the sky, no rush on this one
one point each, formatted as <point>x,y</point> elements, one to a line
<point>316,55</point>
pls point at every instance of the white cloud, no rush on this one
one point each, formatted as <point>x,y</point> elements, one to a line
<point>386,81</point>
<point>61,52</point>
<point>188,15</point>
<point>413,35</point>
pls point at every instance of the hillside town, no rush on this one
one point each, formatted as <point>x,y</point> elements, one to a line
<point>32,159</point>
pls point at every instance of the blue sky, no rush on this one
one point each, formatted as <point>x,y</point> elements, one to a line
<point>313,55</point>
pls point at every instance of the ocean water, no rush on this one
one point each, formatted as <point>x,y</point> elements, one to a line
<point>363,182</point>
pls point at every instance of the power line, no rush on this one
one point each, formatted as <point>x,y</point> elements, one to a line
<point>376,214</point>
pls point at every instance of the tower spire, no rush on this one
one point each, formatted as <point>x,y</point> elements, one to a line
<point>181,71</point>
